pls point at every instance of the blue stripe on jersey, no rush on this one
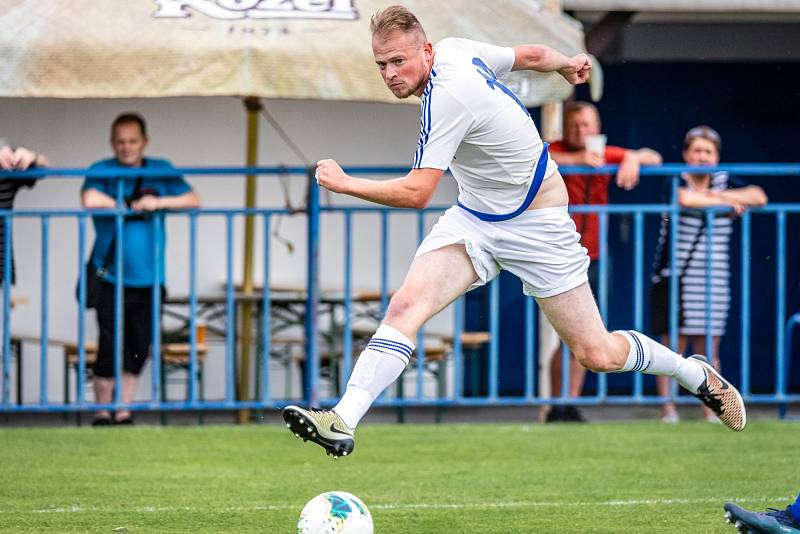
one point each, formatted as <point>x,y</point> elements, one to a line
<point>421,129</point>
<point>536,183</point>
<point>425,121</point>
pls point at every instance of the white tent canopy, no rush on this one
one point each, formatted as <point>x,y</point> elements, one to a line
<point>732,6</point>
<point>300,49</point>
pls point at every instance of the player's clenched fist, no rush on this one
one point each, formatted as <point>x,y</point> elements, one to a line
<point>578,70</point>
<point>331,176</point>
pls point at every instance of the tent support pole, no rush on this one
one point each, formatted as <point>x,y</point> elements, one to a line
<point>253,106</point>
<point>552,111</point>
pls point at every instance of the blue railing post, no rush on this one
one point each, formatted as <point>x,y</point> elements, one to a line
<point>81,369</point>
<point>384,261</point>
<point>266,320</point>
<point>230,314</point>
<point>709,308</point>
<point>155,387</point>
<point>44,304</point>
<point>745,316</point>
<point>602,378</point>
<point>494,332</point>
<point>780,308</point>
<point>312,300</point>
<point>638,290</point>
<point>119,292</point>
<point>7,313</point>
<point>674,278</point>
<point>347,342</point>
<point>192,396</point>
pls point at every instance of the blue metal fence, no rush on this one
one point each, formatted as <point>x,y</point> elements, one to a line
<point>342,360</point>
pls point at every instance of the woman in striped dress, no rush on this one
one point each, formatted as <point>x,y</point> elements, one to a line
<point>704,296</point>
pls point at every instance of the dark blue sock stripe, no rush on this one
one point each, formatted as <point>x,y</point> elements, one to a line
<point>393,344</point>
<point>641,352</point>
<point>640,359</point>
<point>399,348</point>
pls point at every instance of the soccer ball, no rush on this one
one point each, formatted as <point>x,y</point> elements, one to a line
<point>335,512</point>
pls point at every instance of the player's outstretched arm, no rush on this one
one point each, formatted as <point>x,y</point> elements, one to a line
<point>413,190</point>
<point>545,59</point>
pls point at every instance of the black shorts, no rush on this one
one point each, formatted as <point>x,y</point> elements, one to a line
<point>659,308</point>
<point>137,311</point>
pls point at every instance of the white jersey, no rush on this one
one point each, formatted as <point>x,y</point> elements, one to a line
<point>477,127</point>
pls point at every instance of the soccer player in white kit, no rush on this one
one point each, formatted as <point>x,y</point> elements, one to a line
<point>511,214</point>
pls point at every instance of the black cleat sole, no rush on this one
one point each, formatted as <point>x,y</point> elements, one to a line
<point>305,430</point>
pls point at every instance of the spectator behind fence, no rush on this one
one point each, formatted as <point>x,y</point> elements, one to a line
<point>581,131</point>
<point>14,159</point>
<point>701,147</point>
<point>144,195</point>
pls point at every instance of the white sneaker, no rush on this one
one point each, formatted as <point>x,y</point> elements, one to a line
<point>671,418</point>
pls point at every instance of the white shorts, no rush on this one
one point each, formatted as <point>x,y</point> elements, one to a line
<point>541,247</point>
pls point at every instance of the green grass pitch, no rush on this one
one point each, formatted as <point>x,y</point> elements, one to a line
<point>636,477</point>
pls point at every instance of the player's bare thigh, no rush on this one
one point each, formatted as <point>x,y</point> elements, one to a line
<point>575,317</point>
<point>434,280</point>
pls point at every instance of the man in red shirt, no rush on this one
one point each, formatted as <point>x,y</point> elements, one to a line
<point>581,119</point>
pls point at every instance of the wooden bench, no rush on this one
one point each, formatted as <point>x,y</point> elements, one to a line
<point>171,353</point>
<point>173,356</point>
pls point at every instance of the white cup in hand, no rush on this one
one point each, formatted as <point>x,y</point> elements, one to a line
<point>596,144</point>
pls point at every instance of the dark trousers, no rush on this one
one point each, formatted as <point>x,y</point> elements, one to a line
<point>137,315</point>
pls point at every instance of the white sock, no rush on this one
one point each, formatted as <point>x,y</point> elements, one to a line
<point>650,357</point>
<point>380,364</point>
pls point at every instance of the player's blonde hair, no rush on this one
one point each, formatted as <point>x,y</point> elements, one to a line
<point>396,18</point>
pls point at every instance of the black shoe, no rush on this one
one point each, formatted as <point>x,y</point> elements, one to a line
<point>556,414</point>
<point>103,420</point>
<point>124,421</point>
<point>323,427</point>
<point>573,414</point>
